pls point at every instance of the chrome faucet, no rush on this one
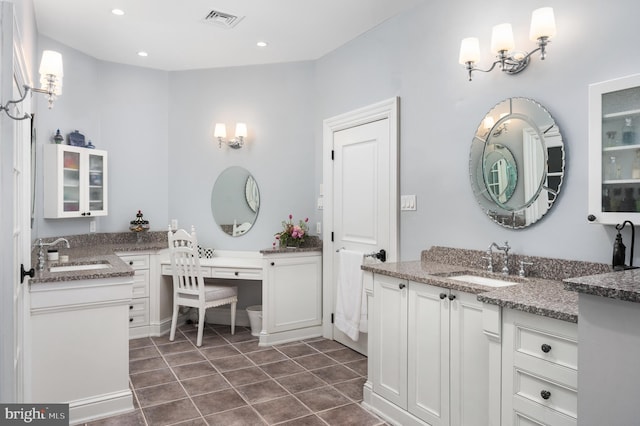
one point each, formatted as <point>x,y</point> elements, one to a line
<point>505,248</point>
<point>41,246</point>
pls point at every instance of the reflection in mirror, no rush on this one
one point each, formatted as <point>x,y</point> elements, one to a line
<point>516,162</point>
<point>235,201</point>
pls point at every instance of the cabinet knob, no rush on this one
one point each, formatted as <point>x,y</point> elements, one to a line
<point>130,306</point>
<point>452,296</point>
<point>273,263</point>
<point>131,262</point>
<point>236,273</point>
<point>130,319</point>
<point>591,218</point>
<point>545,394</point>
<point>442,295</point>
<point>401,286</point>
<point>545,348</point>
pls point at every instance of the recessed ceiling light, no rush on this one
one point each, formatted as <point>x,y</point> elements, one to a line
<point>118,12</point>
<point>262,44</point>
<point>143,54</point>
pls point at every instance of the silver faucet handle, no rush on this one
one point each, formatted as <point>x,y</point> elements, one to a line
<point>506,247</point>
<point>522,272</point>
<point>490,263</point>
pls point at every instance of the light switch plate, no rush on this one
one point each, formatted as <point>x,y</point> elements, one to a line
<point>408,202</point>
<point>320,203</point>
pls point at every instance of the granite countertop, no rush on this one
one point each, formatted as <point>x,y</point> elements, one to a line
<point>622,285</point>
<point>534,295</point>
<point>98,248</point>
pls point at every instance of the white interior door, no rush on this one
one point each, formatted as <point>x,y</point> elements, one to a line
<point>15,216</point>
<point>361,190</point>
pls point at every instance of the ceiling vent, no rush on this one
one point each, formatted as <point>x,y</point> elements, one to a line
<point>222,19</point>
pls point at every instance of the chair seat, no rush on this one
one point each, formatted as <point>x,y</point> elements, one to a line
<point>214,292</point>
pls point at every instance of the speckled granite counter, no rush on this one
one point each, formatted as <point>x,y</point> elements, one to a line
<point>537,294</point>
<point>622,285</point>
<point>312,243</point>
<point>98,248</point>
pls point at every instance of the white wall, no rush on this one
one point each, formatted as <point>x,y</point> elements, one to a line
<point>123,110</point>
<point>413,56</point>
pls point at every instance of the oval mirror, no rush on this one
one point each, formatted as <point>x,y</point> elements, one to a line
<point>235,201</point>
<point>516,164</point>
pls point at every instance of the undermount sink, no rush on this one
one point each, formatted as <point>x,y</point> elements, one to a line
<point>476,279</point>
<point>81,267</point>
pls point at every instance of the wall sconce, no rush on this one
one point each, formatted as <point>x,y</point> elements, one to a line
<point>220,132</point>
<point>51,73</point>
<point>543,27</point>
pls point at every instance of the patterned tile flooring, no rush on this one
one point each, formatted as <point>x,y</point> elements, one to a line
<point>230,380</point>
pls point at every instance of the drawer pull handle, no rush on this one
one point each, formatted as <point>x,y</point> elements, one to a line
<point>236,273</point>
<point>545,348</point>
<point>452,296</point>
<point>401,286</point>
<point>130,306</point>
<point>130,319</point>
<point>273,263</point>
<point>545,394</point>
<point>442,296</point>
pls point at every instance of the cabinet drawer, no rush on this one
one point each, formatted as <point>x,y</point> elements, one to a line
<point>138,261</point>
<point>539,390</point>
<point>237,274</point>
<point>206,271</point>
<point>140,284</point>
<point>139,312</point>
<point>546,345</point>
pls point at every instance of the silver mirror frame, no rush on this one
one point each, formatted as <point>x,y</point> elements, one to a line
<point>539,153</point>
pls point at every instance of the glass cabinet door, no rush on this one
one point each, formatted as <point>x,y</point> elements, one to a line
<point>96,182</point>
<point>71,181</point>
<point>614,144</point>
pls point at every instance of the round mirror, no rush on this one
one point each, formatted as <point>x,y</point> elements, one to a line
<point>516,163</point>
<point>235,201</point>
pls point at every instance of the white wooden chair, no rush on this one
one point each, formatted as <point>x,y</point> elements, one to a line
<point>189,288</point>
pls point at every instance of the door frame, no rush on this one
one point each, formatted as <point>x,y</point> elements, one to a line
<point>389,109</point>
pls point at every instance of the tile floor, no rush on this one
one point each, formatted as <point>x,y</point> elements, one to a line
<point>230,380</point>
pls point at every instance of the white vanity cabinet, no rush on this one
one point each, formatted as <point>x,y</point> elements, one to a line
<point>75,182</point>
<point>291,296</point>
<point>614,151</point>
<point>539,370</point>
<point>428,355</point>
<point>139,307</point>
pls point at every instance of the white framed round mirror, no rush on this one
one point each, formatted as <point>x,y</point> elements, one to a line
<point>516,163</point>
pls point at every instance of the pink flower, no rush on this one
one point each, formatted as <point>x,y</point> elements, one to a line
<point>290,216</point>
<point>306,220</point>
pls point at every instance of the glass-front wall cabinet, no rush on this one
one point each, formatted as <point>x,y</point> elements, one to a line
<point>75,182</point>
<point>614,151</point>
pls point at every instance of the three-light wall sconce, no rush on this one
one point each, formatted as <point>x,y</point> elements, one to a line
<point>237,142</point>
<point>543,28</point>
<point>51,73</point>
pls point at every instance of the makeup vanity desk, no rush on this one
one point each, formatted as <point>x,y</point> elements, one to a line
<point>291,288</point>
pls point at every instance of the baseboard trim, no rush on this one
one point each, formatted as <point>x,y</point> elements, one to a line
<point>97,407</point>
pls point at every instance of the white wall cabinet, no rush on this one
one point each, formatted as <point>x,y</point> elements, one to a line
<point>292,297</point>
<point>75,182</point>
<point>614,151</point>
<point>428,354</point>
<point>539,370</point>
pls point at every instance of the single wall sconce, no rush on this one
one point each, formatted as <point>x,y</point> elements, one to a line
<point>543,27</point>
<point>220,132</point>
<point>51,73</point>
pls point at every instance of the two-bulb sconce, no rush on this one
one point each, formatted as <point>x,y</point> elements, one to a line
<point>543,28</point>
<point>237,142</point>
<point>51,73</point>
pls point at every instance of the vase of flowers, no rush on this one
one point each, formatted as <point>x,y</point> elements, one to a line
<point>292,235</point>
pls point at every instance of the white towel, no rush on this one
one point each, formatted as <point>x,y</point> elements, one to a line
<point>349,298</point>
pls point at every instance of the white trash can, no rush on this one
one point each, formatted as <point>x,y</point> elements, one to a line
<point>255,319</point>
